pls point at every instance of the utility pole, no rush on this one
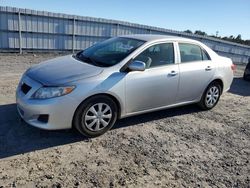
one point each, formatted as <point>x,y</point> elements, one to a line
<point>217,32</point>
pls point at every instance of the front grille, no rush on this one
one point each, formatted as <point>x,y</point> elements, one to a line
<point>25,88</point>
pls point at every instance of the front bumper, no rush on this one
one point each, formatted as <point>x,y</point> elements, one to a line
<point>60,110</point>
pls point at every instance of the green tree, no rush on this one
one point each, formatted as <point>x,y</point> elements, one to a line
<point>238,38</point>
<point>198,32</point>
<point>188,31</point>
<point>231,38</point>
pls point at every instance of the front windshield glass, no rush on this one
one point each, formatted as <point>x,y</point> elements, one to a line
<point>109,52</point>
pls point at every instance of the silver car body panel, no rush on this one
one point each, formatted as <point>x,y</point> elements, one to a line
<point>136,92</point>
<point>61,70</point>
<point>58,108</point>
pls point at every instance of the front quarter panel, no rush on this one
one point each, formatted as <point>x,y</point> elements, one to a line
<point>106,83</point>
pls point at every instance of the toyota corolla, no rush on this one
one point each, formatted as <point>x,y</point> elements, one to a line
<point>121,77</point>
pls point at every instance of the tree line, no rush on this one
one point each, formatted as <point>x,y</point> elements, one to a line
<point>231,38</point>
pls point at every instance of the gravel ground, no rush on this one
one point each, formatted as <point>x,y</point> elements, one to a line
<point>180,147</point>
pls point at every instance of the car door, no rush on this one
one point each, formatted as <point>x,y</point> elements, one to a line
<point>196,72</point>
<point>157,85</point>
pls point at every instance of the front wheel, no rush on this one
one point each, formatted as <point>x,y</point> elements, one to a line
<point>211,96</point>
<point>95,116</point>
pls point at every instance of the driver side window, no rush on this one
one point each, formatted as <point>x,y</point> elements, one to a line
<point>157,55</point>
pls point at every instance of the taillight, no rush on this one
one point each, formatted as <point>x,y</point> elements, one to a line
<point>233,67</point>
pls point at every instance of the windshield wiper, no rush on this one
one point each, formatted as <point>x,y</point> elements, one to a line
<point>86,59</point>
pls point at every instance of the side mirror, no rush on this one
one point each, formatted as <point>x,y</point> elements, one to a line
<point>137,66</point>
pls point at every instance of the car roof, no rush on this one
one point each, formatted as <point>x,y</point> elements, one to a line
<point>152,37</point>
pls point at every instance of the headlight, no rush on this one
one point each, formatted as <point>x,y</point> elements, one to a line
<point>49,92</point>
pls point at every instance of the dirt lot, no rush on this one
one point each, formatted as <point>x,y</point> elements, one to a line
<point>181,147</point>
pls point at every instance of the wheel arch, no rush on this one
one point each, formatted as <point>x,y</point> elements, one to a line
<point>220,82</point>
<point>201,103</point>
<point>117,102</point>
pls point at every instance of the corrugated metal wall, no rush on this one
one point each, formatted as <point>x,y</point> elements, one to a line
<point>46,31</point>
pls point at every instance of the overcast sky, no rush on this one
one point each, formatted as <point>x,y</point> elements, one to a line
<point>228,17</point>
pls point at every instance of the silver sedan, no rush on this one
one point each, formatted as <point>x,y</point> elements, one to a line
<point>121,77</point>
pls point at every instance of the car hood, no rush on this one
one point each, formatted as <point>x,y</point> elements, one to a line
<point>62,70</point>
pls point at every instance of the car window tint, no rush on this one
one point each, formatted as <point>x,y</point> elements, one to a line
<point>190,52</point>
<point>109,52</point>
<point>157,55</point>
<point>205,56</point>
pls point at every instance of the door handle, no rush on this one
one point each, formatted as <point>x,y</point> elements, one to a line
<point>173,73</point>
<point>208,68</point>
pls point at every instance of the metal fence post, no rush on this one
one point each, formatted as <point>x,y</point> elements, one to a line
<point>20,33</point>
<point>117,30</point>
<point>42,37</point>
<point>73,36</point>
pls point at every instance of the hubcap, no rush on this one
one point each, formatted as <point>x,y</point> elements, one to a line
<point>212,96</point>
<point>98,117</point>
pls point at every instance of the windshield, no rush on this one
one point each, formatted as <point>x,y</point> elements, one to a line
<point>109,52</point>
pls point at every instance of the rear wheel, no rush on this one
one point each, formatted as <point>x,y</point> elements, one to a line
<point>245,77</point>
<point>211,96</point>
<point>95,116</point>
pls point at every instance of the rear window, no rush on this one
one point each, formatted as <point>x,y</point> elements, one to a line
<point>192,52</point>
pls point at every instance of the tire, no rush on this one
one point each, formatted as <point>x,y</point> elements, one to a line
<point>214,91</point>
<point>95,116</point>
<point>245,77</point>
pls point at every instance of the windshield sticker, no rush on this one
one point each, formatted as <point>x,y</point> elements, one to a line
<point>125,47</point>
